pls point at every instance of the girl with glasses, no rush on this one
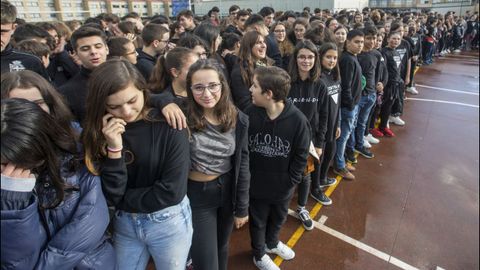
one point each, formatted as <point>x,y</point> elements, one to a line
<point>219,176</point>
<point>284,44</point>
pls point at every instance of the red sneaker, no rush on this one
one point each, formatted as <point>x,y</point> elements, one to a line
<point>376,132</point>
<point>387,132</point>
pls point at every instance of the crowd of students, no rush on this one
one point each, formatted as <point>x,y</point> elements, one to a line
<point>125,139</point>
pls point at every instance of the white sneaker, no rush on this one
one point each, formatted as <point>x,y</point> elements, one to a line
<point>412,90</point>
<point>366,144</point>
<point>457,51</point>
<point>396,120</point>
<point>371,139</point>
<point>282,250</point>
<point>265,263</point>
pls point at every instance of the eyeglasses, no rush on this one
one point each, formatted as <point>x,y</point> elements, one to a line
<point>199,89</point>
<point>305,57</point>
<point>130,53</point>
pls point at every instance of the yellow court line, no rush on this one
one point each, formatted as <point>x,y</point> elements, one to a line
<point>300,230</point>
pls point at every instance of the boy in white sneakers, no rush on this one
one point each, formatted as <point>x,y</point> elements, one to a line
<point>279,138</point>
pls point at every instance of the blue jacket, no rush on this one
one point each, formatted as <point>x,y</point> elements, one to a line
<point>76,226</point>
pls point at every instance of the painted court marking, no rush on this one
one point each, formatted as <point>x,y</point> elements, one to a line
<point>447,90</point>
<point>371,250</point>
<point>444,101</point>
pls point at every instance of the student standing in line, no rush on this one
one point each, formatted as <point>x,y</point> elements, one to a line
<point>285,46</point>
<point>395,81</point>
<point>350,72</point>
<point>415,41</point>
<point>330,83</point>
<point>53,212</point>
<point>279,138</point>
<point>340,33</point>
<point>122,47</point>
<point>369,62</point>
<point>144,168</point>
<point>219,176</point>
<point>306,94</point>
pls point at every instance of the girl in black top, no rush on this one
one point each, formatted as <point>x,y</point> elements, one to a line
<point>329,121</point>
<point>306,94</point>
<point>219,176</point>
<point>144,168</point>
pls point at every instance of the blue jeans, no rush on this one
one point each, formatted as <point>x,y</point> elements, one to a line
<point>166,235</point>
<point>347,121</point>
<point>364,106</point>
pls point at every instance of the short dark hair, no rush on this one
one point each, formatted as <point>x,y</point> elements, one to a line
<point>215,9</point>
<point>116,46</point>
<point>317,10</point>
<point>86,31</point>
<point>31,31</point>
<point>33,47</point>
<point>185,13</point>
<point>354,33</point>
<point>233,8</point>
<point>254,19</point>
<point>8,12</point>
<point>274,79</point>
<point>153,32</point>
<point>370,31</point>
<point>265,11</point>
<point>190,41</point>
<point>242,13</point>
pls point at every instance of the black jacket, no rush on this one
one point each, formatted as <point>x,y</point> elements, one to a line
<point>240,91</point>
<point>75,93</point>
<point>233,29</point>
<point>351,74</point>
<point>381,72</point>
<point>405,52</point>
<point>152,173</point>
<point>62,68</point>
<point>369,63</point>
<point>145,63</point>
<point>278,152</point>
<point>241,167</point>
<point>273,51</point>
<point>309,97</point>
<point>12,60</point>
<point>332,104</point>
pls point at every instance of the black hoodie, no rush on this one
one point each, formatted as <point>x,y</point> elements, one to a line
<point>330,121</point>
<point>309,97</point>
<point>12,60</point>
<point>75,93</point>
<point>278,151</point>
<point>351,74</point>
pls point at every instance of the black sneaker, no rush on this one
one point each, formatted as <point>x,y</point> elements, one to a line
<point>305,218</point>
<point>320,197</point>
<point>328,182</point>
<point>364,152</point>
<point>350,157</point>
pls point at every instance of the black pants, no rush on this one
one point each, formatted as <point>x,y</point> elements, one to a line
<point>371,119</point>
<point>319,176</point>
<point>266,220</point>
<point>390,94</point>
<point>303,190</point>
<point>397,107</point>
<point>212,218</point>
<point>412,73</point>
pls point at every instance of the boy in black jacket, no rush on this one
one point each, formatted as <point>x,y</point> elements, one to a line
<point>351,73</point>
<point>279,138</point>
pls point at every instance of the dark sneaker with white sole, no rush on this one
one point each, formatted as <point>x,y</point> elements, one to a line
<point>328,182</point>
<point>364,152</point>
<point>320,197</point>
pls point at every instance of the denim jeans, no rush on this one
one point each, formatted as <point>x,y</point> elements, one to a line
<point>347,121</point>
<point>364,107</point>
<point>166,235</point>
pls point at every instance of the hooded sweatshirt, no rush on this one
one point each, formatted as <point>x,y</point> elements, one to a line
<point>330,121</point>
<point>278,152</point>
<point>309,97</point>
<point>351,73</point>
<point>12,60</point>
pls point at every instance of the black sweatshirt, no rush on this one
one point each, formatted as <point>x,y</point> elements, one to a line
<point>278,152</point>
<point>12,60</point>
<point>405,52</point>
<point>62,68</point>
<point>240,91</point>
<point>309,97</point>
<point>351,74</point>
<point>369,63</point>
<point>381,73</point>
<point>145,63</point>
<point>332,104</point>
<point>75,93</point>
<point>393,62</point>
<point>156,175</point>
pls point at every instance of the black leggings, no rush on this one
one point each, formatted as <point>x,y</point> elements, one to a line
<point>212,218</point>
<point>390,95</point>
<point>319,176</point>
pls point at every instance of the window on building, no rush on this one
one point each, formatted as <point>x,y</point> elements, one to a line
<point>32,4</point>
<point>53,15</point>
<point>66,5</point>
<point>115,6</point>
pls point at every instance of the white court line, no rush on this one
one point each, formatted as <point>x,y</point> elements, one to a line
<point>377,253</point>
<point>444,101</point>
<point>447,90</point>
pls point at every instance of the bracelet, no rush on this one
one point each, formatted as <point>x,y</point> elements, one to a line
<point>114,150</point>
